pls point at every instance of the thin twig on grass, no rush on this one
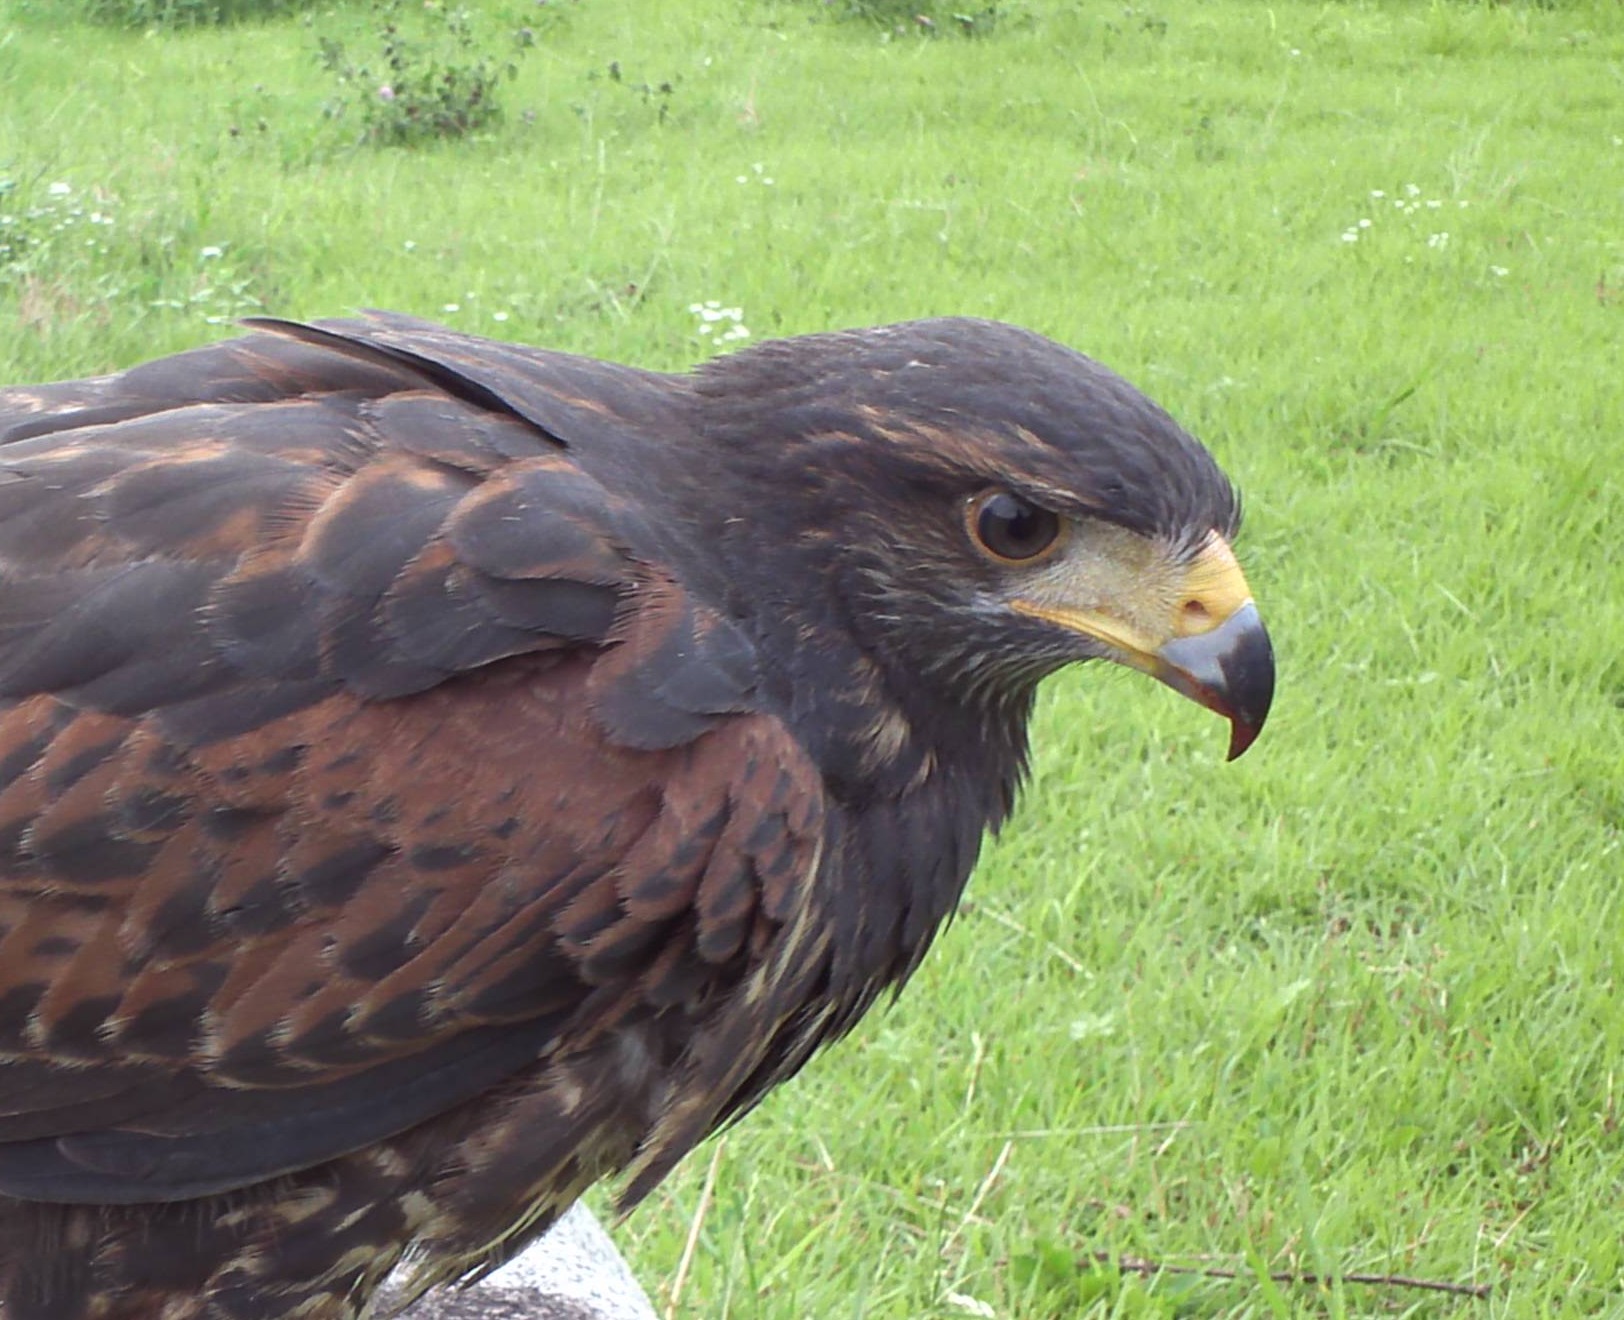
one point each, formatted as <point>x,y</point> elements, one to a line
<point>692,1243</point>
<point>979,1197</point>
<point>886,1189</point>
<point>1139,1265</point>
<point>1512,1226</point>
<point>1009,922</point>
<point>978,1056</point>
<point>1098,1130</point>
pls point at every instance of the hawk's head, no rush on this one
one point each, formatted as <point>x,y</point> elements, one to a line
<point>988,505</point>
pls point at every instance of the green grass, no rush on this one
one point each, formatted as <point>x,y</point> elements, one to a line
<point>1351,1004</point>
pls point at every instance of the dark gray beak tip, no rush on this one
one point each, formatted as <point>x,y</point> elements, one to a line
<point>1248,683</point>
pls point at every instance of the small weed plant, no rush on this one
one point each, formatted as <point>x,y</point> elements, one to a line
<point>429,77</point>
<point>902,18</point>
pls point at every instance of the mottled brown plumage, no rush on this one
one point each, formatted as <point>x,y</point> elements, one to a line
<point>437,774</point>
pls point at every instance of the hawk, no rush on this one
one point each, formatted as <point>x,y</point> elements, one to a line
<point>437,774</point>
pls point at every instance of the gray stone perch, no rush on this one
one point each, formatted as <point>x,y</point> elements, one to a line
<point>573,1273</point>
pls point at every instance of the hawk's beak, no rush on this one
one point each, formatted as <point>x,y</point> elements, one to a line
<point>1212,647</point>
<point>1230,670</point>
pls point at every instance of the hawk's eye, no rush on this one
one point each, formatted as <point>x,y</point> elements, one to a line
<point>1011,529</point>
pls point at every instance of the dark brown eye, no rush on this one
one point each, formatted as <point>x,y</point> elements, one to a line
<point>1010,528</point>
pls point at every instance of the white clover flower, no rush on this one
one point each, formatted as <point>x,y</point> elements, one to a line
<point>59,190</point>
<point>410,245</point>
<point>1364,224</point>
<point>714,318</point>
<point>452,307</point>
<point>499,316</point>
<point>212,252</point>
<point>1377,193</point>
<point>1499,272</point>
<point>1412,190</point>
<point>1439,240</point>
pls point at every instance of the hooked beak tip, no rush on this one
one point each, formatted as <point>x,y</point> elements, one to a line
<point>1241,736</point>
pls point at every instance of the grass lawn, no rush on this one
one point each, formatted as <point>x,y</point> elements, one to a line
<point>1352,1004</point>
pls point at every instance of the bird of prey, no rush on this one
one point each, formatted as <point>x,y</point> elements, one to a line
<point>437,774</point>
